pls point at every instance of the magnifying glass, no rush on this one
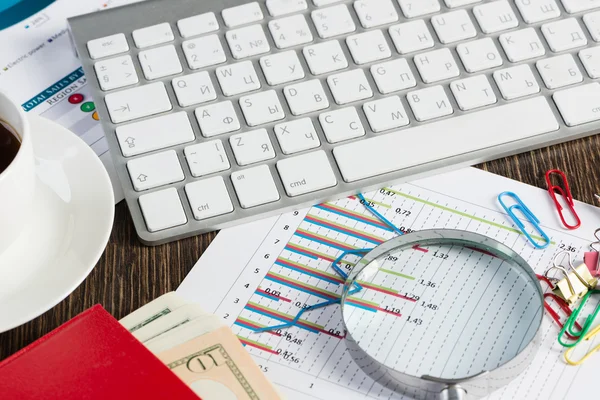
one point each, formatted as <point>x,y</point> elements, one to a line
<point>443,314</point>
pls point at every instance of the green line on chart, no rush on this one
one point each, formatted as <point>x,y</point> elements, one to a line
<point>378,203</point>
<point>497,225</point>
<point>387,271</point>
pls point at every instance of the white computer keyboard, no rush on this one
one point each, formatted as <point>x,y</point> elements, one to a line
<point>220,112</point>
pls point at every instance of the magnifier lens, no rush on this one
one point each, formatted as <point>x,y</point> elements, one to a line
<point>445,309</point>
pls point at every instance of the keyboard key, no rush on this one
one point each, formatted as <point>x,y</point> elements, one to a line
<point>107,46</point>
<point>204,52</point>
<point>392,76</point>
<point>325,57</point>
<point>306,97</point>
<point>296,136</point>
<point>429,103</point>
<point>206,158</point>
<point>198,25</point>
<point>385,114</point>
<point>516,82</point>
<point>306,173</point>
<point>460,3</point>
<point>160,62</point>
<point>373,13</point>
<point>333,21</point>
<point>155,170</point>
<point>590,58</point>
<point>474,92</point>
<point>149,135</point>
<point>321,3</point>
<point>565,34</point>
<point>470,132</point>
<point>162,210</point>
<point>368,47</point>
<point>350,86</point>
<point>237,78</point>
<point>261,108</point>
<point>453,26</point>
<point>247,42</point>
<point>216,119</point>
<point>153,35</point>
<point>495,16</point>
<point>194,89</point>
<point>342,124</point>
<point>575,6</point>
<point>282,68</point>
<point>436,65</point>
<point>290,31</point>
<point>411,36</point>
<point>252,147</point>
<point>559,71</point>
<point>208,198</point>
<point>522,45</point>
<point>137,102</point>
<point>592,22</point>
<point>538,10</point>
<point>479,55</point>
<point>417,8</point>
<point>282,7</point>
<point>579,105</point>
<point>241,15</point>
<point>116,73</point>
<point>255,186</point>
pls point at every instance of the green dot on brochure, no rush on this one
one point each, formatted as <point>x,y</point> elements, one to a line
<point>88,106</point>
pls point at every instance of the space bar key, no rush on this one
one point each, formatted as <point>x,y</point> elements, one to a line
<point>409,147</point>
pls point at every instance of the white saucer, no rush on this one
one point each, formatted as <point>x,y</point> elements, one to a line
<point>68,231</point>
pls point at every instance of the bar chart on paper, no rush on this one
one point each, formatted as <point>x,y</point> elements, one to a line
<point>291,269</point>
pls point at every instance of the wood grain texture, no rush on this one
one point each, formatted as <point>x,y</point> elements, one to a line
<point>129,274</point>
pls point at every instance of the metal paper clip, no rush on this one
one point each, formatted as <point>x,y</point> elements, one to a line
<point>530,217</point>
<point>587,325</point>
<point>553,190</point>
<point>569,288</point>
<point>588,336</point>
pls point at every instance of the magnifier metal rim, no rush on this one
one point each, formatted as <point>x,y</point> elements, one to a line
<point>445,237</point>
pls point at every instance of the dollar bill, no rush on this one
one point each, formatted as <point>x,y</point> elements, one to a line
<point>217,367</point>
<point>183,333</point>
<point>152,311</point>
<point>172,320</point>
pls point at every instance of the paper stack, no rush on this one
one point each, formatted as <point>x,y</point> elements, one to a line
<point>199,349</point>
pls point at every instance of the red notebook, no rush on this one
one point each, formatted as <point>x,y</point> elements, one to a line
<point>90,357</point>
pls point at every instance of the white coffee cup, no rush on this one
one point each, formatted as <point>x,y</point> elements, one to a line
<point>17,182</point>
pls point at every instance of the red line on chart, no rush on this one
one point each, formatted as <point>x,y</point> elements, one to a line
<point>386,291</point>
<point>273,296</point>
<point>258,347</point>
<point>418,248</point>
<point>481,251</point>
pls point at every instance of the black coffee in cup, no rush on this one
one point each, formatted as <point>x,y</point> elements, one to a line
<point>9,145</point>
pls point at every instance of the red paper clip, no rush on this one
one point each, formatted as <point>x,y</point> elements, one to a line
<point>566,193</point>
<point>561,303</point>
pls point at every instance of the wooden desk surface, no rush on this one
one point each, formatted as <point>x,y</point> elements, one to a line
<point>129,274</point>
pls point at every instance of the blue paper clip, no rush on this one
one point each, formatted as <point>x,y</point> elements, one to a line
<point>528,215</point>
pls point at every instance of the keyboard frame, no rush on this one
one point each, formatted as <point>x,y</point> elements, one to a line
<point>127,18</point>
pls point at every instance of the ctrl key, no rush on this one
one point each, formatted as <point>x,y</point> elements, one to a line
<point>209,198</point>
<point>162,210</point>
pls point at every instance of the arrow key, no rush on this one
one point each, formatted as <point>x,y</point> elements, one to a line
<point>155,170</point>
<point>116,73</point>
<point>137,102</point>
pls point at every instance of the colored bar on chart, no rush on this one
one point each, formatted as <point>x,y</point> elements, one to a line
<point>249,324</point>
<point>301,286</point>
<point>309,326</point>
<point>369,306</point>
<point>256,345</point>
<point>332,208</point>
<point>385,290</point>
<point>270,296</point>
<point>344,229</point>
<point>315,237</point>
<point>305,251</point>
<point>390,272</point>
<point>331,278</point>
